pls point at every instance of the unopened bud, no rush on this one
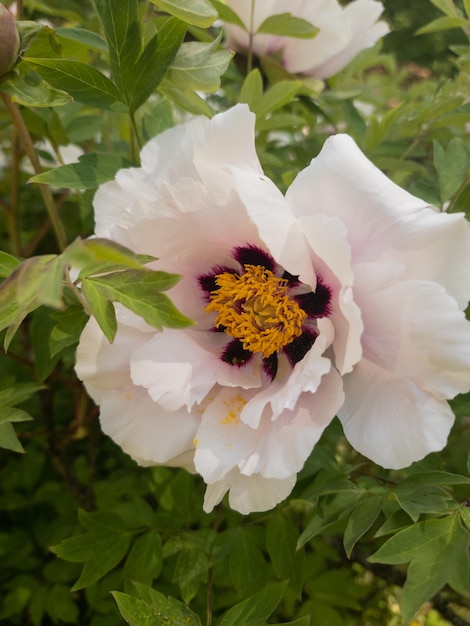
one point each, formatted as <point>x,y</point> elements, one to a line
<point>9,41</point>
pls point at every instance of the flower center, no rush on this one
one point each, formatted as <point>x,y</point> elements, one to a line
<point>254,307</point>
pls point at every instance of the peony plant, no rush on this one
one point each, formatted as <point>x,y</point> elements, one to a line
<point>341,297</point>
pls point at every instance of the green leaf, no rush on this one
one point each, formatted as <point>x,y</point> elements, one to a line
<point>7,264</point>
<point>122,30</point>
<point>92,170</point>
<point>302,621</point>
<point>252,89</point>
<point>154,609</point>
<point>246,563</point>
<point>154,61</point>
<point>8,437</point>
<point>466,4</point>
<point>452,165</point>
<point>138,290</point>
<point>90,255</point>
<point>360,520</point>
<point>285,24</point>
<point>18,393</point>
<point>82,35</point>
<point>438,551</point>
<point>277,96</point>
<point>256,608</point>
<point>145,559</point>
<point>446,6</point>
<point>443,23</point>
<point>199,66</point>
<point>186,99</point>
<point>83,82</point>
<point>34,282</point>
<point>288,563</point>
<point>36,93</point>
<point>101,309</point>
<point>195,12</point>
<point>67,329</point>
<point>101,548</point>
<point>227,14</point>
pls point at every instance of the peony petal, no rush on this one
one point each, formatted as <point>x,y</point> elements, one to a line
<point>389,419</point>
<point>416,330</point>
<point>178,370</point>
<point>150,435</point>
<point>248,493</point>
<point>276,224</point>
<point>288,385</point>
<point>332,261</point>
<point>383,221</point>
<point>102,365</point>
<point>361,16</point>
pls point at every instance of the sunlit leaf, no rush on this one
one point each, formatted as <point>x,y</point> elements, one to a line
<point>196,12</point>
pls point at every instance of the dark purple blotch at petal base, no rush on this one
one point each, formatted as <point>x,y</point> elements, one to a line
<point>298,348</point>
<point>270,364</point>
<point>315,304</point>
<point>235,354</point>
<point>252,255</point>
<point>207,281</point>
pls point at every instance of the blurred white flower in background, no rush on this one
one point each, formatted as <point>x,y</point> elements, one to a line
<point>343,32</point>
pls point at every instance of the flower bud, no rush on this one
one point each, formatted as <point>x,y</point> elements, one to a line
<point>9,41</point>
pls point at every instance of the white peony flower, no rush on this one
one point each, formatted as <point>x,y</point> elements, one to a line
<point>347,281</point>
<point>343,32</point>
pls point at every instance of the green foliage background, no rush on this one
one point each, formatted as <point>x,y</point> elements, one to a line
<point>86,536</point>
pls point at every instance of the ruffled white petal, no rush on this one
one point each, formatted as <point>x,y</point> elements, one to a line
<point>383,221</point>
<point>178,370</point>
<point>149,434</point>
<point>248,493</point>
<point>389,419</point>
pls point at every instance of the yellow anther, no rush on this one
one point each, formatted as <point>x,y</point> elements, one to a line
<point>256,309</point>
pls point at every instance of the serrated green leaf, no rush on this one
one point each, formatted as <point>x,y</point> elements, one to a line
<point>138,290</point>
<point>154,609</point>
<point>195,12</point>
<point>281,540</point>
<point>257,608</point>
<point>397,521</point>
<point>285,24</point>
<point>438,551</point>
<point>7,264</point>
<point>38,93</point>
<point>360,520</point>
<point>443,23</point>
<point>154,61</point>
<point>425,499</point>
<point>145,559</point>
<point>83,82</point>
<point>90,172</point>
<point>227,14</point>
<point>101,309</point>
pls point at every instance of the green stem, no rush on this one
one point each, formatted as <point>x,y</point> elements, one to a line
<point>456,195</point>
<point>249,62</point>
<point>12,209</point>
<point>30,150</point>
<point>135,137</point>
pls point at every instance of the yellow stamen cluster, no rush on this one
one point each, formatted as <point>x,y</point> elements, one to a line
<point>256,309</point>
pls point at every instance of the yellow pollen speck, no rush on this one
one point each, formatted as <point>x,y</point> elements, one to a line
<point>196,442</point>
<point>234,408</point>
<point>256,309</point>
